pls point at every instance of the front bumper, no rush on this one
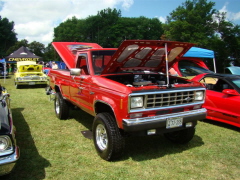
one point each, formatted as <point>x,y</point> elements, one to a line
<point>30,82</point>
<point>7,163</point>
<point>156,122</point>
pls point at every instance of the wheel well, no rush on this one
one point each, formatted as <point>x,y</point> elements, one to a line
<point>57,89</point>
<point>102,107</point>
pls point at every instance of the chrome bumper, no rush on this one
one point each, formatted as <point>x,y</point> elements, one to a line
<point>29,82</point>
<point>155,122</point>
<point>7,163</point>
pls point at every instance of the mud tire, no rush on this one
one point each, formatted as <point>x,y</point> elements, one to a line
<point>108,140</point>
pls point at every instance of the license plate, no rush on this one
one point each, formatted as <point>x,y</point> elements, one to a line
<point>31,83</point>
<point>174,122</point>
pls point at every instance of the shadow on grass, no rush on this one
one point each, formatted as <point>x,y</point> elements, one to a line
<point>30,165</point>
<point>153,147</point>
<point>221,124</point>
<point>82,117</point>
<point>144,147</point>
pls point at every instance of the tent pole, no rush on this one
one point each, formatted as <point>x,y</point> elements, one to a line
<point>214,64</point>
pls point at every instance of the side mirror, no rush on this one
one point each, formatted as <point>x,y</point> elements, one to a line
<point>231,92</point>
<point>75,72</point>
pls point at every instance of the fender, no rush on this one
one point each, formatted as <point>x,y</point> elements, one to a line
<point>116,106</point>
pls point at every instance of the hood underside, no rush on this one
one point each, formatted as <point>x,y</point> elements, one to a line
<point>30,68</point>
<point>68,50</point>
<point>132,55</point>
<point>146,55</point>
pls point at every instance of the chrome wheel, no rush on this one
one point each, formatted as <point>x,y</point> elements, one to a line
<point>108,140</point>
<point>101,137</point>
<point>61,107</point>
<point>57,107</point>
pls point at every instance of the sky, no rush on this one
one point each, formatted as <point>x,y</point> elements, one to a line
<point>35,19</point>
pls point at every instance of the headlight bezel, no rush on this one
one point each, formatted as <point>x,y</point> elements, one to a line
<point>136,102</point>
<point>6,145</point>
<point>199,96</point>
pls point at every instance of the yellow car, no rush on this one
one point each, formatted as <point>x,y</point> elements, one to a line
<point>29,73</point>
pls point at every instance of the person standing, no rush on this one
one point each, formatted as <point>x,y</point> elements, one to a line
<point>54,65</point>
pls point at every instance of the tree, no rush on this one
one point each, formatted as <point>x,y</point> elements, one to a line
<point>108,29</point>
<point>227,41</point>
<point>37,48</point>
<point>17,45</point>
<point>198,22</point>
<point>49,54</point>
<point>192,22</point>
<point>67,31</point>
<point>7,36</point>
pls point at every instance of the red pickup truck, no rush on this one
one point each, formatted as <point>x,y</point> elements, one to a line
<point>128,90</point>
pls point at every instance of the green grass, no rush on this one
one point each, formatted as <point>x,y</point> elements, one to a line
<point>56,149</point>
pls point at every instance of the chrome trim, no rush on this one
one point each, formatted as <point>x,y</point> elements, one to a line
<point>163,118</point>
<point>10,158</point>
<point>159,101</point>
<point>75,71</point>
<point>9,149</point>
<point>161,91</point>
<point>164,107</point>
<point>7,163</point>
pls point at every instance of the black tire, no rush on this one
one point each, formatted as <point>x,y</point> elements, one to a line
<point>182,136</point>
<point>17,86</point>
<point>61,107</point>
<point>108,140</point>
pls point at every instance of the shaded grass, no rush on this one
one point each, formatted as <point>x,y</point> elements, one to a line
<point>56,149</point>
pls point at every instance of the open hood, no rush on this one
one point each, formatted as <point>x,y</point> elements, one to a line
<point>132,55</point>
<point>28,66</point>
<point>146,55</point>
<point>67,50</point>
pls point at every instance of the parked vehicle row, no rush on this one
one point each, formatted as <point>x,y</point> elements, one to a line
<point>129,92</point>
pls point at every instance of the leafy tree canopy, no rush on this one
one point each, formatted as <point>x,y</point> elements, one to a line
<point>108,28</point>
<point>191,22</point>
<point>7,36</point>
<point>198,22</point>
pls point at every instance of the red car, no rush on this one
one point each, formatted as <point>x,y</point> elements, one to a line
<point>222,97</point>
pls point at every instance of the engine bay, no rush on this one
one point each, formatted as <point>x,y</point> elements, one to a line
<point>139,80</point>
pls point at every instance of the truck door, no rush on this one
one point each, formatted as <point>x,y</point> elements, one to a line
<point>79,88</point>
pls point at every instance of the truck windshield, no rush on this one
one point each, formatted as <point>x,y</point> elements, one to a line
<point>100,59</point>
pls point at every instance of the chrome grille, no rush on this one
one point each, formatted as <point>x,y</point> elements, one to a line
<point>31,78</point>
<point>169,99</point>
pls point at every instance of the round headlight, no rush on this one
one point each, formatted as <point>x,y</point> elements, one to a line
<point>137,102</point>
<point>4,143</point>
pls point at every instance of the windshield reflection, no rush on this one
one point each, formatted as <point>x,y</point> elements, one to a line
<point>100,59</point>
